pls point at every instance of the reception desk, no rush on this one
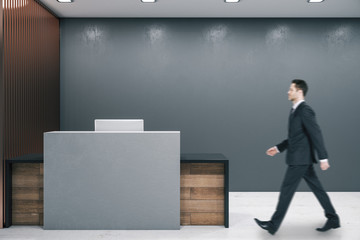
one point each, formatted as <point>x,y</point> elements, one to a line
<point>111,180</point>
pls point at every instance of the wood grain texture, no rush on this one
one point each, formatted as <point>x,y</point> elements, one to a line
<point>27,181</point>
<point>202,194</point>
<point>27,206</point>
<point>41,169</point>
<point>185,218</point>
<point>202,181</point>
<point>26,219</point>
<point>207,168</point>
<point>26,169</point>
<point>208,193</point>
<point>207,219</point>
<point>41,194</point>
<point>202,206</point>
<point>27,193</point>
<point>184,193</point>
<point>27,175</point>
<point>30,193</point>
<point>185,168</point>
<point>41,219</point>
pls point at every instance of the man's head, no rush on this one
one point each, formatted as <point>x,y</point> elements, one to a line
<point>297,90</point>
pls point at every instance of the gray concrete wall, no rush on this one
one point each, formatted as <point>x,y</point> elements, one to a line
<point>222,83</point>
<point>95,180</point>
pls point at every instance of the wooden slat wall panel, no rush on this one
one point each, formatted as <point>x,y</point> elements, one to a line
<point>30,83</point>
<point>2,116</point>
<point>202,194</point>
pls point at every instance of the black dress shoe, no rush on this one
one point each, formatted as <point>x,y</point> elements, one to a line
<point>267,225</point>
<point>330,223</point>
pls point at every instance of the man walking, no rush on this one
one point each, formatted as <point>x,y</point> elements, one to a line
<point>304,138</point>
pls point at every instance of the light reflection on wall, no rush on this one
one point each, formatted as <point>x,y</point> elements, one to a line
<point>93,37</point>
<point>277,36</point>
<point>339,37</point>
<point>216,34</point>
<point>92,34</point>
<point>157,46</point>
<point>155,34</point>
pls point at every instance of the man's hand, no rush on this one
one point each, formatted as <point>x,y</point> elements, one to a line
<point>324,165</point>
<point>272,151</point>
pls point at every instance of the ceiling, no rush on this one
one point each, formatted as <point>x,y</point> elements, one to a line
<point>204,9</point>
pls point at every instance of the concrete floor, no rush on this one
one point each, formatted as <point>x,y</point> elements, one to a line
<point>304,215</point>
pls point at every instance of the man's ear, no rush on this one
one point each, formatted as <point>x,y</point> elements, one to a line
<point>302,92</point>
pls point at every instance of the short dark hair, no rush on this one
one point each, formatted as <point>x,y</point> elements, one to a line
<point>301,84</point>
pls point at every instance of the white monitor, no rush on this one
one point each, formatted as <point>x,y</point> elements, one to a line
<point>119,124</point>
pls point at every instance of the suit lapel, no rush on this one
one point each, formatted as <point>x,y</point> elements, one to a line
<point>291,115</point>
<point>295,113</point>
<point>299,107</point>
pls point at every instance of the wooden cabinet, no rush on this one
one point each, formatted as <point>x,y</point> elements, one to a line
<point>204,190</point>
<point>24,202</point>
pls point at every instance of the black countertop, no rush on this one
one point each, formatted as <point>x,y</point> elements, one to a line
<point>202,157</point>
<point>34,158</point>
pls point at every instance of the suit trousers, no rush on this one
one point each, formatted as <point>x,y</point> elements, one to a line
<point>293,176</point>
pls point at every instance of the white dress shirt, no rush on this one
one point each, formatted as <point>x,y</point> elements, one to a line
<point>294,109</point>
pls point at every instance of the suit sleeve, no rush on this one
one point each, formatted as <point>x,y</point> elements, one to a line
<point>283,145</point>
<point>313,131</point>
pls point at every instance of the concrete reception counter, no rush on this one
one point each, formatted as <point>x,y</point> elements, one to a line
<point>112,180</point>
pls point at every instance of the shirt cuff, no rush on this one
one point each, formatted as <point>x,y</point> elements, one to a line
<point>277,149</point>
<point>323,160</point>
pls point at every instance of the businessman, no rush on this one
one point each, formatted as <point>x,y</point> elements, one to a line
<point>304,138</point>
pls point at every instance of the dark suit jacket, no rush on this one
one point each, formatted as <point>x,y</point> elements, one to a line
<point>304,138</point>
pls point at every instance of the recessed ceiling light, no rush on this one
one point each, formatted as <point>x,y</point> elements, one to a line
<point>65,1</point>
<point>148,1</point>
<point>232,1</point>
<point>315,1</point>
